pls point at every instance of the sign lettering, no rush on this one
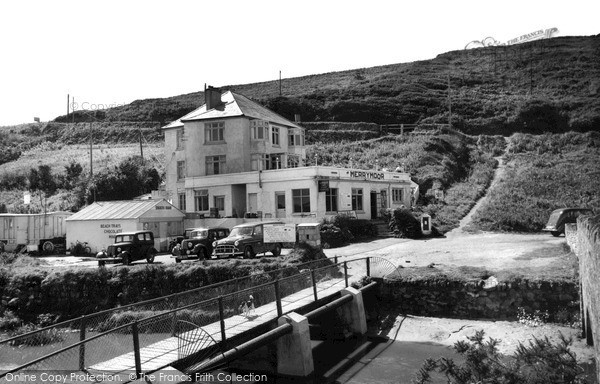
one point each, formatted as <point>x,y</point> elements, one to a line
<point>367,175</point>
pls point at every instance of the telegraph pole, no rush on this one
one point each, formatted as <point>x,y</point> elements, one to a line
<point>449,104</point>
<point>91,166</point>
<point>279,82</point>
<point>141,147</point>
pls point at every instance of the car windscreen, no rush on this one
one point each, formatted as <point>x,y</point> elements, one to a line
<point>123,238</point>
<point>241,231</point>
<point>199,234</point>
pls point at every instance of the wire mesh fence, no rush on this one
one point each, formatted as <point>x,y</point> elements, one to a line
<point>146,335</point>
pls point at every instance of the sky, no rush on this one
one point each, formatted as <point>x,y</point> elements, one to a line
<point>107,52</point>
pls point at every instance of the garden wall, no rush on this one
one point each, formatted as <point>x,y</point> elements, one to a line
<point>483,299</point>
<point>586,246</point>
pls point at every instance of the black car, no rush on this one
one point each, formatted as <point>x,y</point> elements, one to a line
<point>129,247</point>
<point>178,239</point>
<point>199,245</point>
<point>560,217</point>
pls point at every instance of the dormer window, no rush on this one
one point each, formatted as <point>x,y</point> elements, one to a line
<point>259,129</point>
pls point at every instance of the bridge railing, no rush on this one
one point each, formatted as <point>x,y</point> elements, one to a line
<point>107,319</point>
<point>142,325</point>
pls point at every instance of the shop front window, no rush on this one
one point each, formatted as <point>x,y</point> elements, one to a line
<point>301,200</point>
<point>357,199</point>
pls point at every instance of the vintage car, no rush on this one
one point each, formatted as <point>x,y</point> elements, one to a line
<point>199,245</point>
<point>246,240</point>
<point>560,217</point>
<point>129,247</point>
<point>178,239</point>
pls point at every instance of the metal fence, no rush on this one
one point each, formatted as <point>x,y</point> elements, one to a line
<point>150,335</point>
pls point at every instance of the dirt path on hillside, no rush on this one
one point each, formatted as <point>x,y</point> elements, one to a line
<point>463,226</point>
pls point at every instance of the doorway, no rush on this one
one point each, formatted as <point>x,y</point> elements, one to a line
<point>374,205</point>
<point>280,204</point>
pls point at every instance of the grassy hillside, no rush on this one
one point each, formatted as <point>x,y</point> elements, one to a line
<point>543,173</point>
<point>547,85</point>
<point>461,165</point>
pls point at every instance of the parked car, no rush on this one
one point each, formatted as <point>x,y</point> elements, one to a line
<point>560,217</point>
<point>129,247</point>
<point>177,240</point>
<point>199,245</point>
<point>246,240</point>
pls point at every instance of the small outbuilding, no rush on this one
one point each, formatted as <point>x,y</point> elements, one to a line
<point>99,223</point>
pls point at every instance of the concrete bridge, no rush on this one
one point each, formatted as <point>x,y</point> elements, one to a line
<point>197,336</point>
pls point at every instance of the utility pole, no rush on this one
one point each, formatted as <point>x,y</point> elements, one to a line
<point>280,82</point>
<point>67,106</point>
<point>449,104</point>
<point>141,147</point>
<point>73,110</point>
<point>91,166</point>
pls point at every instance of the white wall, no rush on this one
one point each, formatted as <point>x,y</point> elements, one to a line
<point>98,233</point>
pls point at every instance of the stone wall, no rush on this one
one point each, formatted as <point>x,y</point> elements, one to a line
<point>484,299</point>
<point>587,247</point>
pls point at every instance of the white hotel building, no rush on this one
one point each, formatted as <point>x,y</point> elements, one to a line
<point>234,158</point>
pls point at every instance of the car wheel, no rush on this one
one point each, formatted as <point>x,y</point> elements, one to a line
<point>48,247</point>
<point>202,254</point>
<point>277,250</point>
<point>555,233</point>
<point>126,258</point>
<point>248,253</point>
<point>87,250</point>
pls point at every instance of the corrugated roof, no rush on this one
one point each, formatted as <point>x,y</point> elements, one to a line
<point>115,210</point>
<point>235,105</point>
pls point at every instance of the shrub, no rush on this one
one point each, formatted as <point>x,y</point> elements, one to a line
<point>403,224</point>
<point>333,237</point>
<point>540,362</point>
<point>9,321</point>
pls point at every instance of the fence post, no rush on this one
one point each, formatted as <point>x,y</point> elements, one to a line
<point>335,259</point>
<point>222,318</point>
<point>314,283</point>
<point>174,319</point>
<point>82,326</point>
<point>278,298</point>
<point>136,349</point>
<point>368,266</point>
<point>346,273</point>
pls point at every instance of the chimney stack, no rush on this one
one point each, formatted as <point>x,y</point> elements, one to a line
<point>212,97</point>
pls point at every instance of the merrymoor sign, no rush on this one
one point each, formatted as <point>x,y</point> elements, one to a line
<point>367,175</point>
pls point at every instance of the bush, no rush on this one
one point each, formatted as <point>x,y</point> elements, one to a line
<point>333,237</point>
<point>403,224</point>
<point>540,362</point>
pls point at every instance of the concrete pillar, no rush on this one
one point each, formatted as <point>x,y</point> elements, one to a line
<point>353,313</point>
<point>294,351</point>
